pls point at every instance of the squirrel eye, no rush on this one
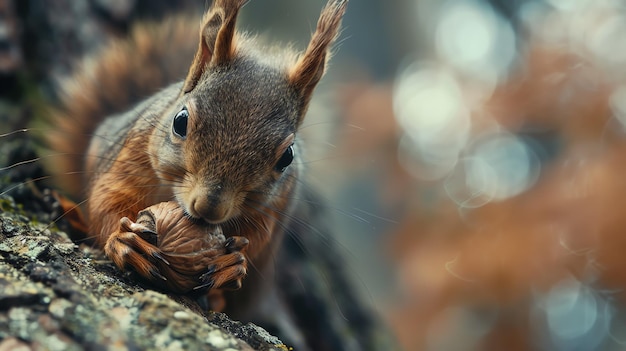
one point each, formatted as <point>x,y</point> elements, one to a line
<point>179,125</point>
<point>285,160</point>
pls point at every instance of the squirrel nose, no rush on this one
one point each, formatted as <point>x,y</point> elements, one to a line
<point>212,209</point>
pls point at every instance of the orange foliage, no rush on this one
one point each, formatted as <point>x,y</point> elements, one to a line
<point>497,260</point>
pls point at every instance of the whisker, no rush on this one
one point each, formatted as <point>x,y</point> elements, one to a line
<point>90,136</point>
<point>260,209</point>
<point>136,175</point>
<point>328,240</point>
<point>304,248</point>
<point>237,223</point>
<point>325,204</point>
<point>390,221</point>
<point>56,220</point>
<point>16,186</point>
<point>21,163</point>
<point>285,228</point>
<point>316,124</point>
<point>336,156</point>
<point>17,131</point>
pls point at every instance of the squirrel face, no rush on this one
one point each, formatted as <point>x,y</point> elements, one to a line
<point>230,141</point>
<point>227,143</point>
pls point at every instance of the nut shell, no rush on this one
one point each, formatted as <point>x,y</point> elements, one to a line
<point>188,246</point>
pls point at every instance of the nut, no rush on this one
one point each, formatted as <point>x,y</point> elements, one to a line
<point>189,246</point>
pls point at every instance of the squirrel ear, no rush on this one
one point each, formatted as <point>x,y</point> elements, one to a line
<point>217,39</point>
<point>310,67</point>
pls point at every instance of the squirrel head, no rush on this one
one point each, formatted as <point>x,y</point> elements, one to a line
<point>228,141</point>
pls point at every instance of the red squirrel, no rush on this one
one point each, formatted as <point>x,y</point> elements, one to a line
<point>221,143</point>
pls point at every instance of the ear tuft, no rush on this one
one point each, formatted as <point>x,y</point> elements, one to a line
<point>311,65</point>
<point>217,39</point>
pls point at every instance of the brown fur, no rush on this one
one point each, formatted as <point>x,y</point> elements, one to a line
<point>309,69</point>
<point>243,112</point>
<point>217,39</point>
<point>110,81</point>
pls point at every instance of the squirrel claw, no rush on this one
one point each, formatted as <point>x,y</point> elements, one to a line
<point>156,274</point>
<point>226,273</point>
<point>127,225</point>
<point>206,286</point>
<point>235,243</point>
<point>211,269</point>
<point>160,257</point>
<point>129,247</point>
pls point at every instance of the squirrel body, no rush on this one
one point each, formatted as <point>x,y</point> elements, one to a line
<point>222,143</point>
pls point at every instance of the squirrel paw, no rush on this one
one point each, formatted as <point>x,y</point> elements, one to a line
<point>228,270</point>
<point>176,253</point>
<point>130,247</point>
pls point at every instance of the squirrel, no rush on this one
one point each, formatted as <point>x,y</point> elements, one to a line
<point>222,143</point>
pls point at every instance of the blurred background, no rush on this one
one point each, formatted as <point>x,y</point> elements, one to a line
<point>471,153</point>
